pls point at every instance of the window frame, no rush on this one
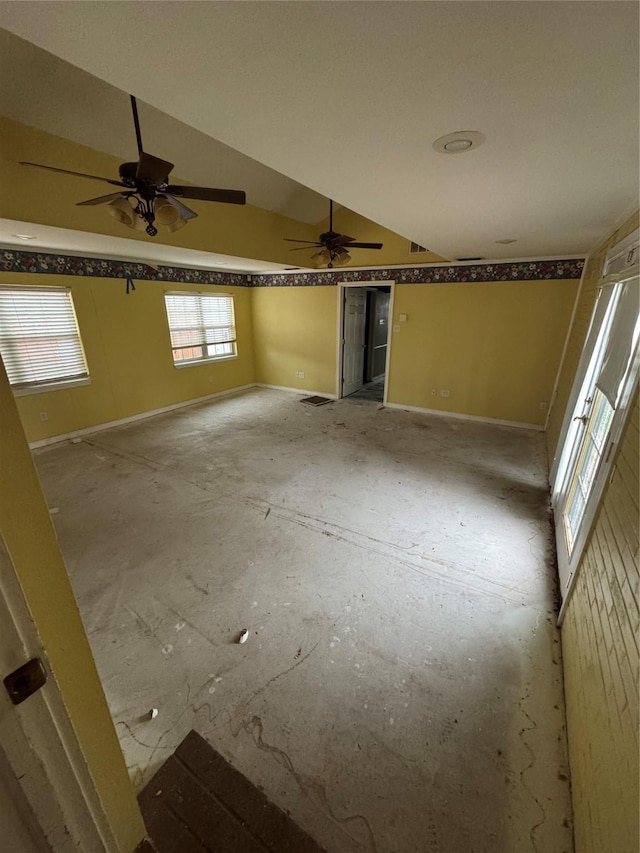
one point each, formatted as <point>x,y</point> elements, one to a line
<point>59,383</point>
<point>204,359</point>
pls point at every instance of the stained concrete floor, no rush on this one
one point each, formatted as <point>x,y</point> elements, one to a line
<point>401,687</point>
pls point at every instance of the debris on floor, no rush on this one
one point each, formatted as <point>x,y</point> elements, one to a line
<point>244,636</point>
<point>153,713</point>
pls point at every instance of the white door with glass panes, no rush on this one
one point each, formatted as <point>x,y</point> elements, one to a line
<point>605,382</point>
<point>355,303</point>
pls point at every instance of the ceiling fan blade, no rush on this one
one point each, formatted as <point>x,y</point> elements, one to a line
<point>293,240</point>
<point>208,194</point>
<point>364,246</point>
<point>340,240</point>
<point>103,199</point>
<point>69,172</point>
<point>307,248</point>
<point>185,212</point>
<point>152,169</point>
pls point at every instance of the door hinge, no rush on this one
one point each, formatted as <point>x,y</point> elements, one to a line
<point>25,680</point>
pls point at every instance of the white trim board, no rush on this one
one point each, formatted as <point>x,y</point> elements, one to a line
<point>56,439</point>
<point>461,417</point>
<point>295,390</point>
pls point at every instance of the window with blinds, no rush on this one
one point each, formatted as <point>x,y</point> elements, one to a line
<point>39,337</point>
<point>201,326</point>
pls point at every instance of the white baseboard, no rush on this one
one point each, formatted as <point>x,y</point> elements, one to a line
<point>230,392</point>
<point>295,390</point>
<point>55,439</point>
<point>461,417</point>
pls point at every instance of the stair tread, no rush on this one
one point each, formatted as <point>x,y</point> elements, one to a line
<point>198,796</point>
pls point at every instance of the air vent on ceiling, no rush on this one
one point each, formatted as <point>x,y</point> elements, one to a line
<point>416,248</point>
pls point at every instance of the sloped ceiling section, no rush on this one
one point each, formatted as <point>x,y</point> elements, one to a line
<point>347,98</point>
<point>40,90</point>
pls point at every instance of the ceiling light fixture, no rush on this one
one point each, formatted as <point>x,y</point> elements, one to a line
<point>458,142</point>
<point>24,236</point>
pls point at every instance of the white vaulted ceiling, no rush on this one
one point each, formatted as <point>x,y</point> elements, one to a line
<point>347,98</point>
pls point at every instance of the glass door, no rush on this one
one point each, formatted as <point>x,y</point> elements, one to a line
<point>605,384</point>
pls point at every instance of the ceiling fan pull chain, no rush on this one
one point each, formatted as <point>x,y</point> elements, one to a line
<point>130,285</point>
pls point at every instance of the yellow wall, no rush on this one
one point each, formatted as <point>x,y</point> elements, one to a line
<point>35,195</point>
<point>127,346</point>
<point>495,346</point>
<point>395,249</point>
<point>600,629</point>
<point>295,330</point>
<point>30,541</point>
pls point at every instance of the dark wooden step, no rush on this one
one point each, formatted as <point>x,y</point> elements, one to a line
<point>198,803</point>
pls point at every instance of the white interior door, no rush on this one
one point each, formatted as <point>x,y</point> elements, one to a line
<point>354,330</point>
<point>42,798</point>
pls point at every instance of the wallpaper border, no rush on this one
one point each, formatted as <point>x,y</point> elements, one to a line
<point>16,260</point>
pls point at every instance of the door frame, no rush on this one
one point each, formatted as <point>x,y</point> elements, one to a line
<point>342,286</point>
<point>41,747</point>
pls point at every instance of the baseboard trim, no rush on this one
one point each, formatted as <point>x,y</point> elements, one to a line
<point>295,390</point>
<point>56,439</point>
<point>461,417</point>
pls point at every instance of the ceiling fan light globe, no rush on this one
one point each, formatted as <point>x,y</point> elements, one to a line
<point>341,259</point>
<point>166,214</point>
<point>322,257</point>
<point>121,210</point>
<point>177,225</point>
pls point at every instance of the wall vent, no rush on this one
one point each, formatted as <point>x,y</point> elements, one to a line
<point>416,248</point>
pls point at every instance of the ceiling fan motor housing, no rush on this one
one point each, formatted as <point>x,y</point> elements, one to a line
<point>127,173</point>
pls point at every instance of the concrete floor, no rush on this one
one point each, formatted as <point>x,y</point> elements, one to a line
<point>401,688</point>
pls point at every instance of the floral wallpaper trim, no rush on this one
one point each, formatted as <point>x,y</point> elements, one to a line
<point>445,274</point>
<point>14,260</point>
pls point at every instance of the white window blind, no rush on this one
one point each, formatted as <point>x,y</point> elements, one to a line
<point>39,337</point>
<point>201,326</point>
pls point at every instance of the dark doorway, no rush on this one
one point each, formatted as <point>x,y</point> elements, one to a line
<point>376,343</point>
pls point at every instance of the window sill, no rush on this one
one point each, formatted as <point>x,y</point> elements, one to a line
<point>51,386</point>
<point>179,365</point>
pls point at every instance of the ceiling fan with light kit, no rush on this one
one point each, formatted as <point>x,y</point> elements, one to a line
<point>334,248</point>
<point>147,196</point>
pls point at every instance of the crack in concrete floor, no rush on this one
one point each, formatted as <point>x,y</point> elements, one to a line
<point>396,576</point>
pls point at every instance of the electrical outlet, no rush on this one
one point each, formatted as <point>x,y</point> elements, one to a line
<point>299,374</point>
<point>396,329</point>
<point>44,416</point>
<point>445,392</point>
<point>402,318</point>
<point>543,405</point>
